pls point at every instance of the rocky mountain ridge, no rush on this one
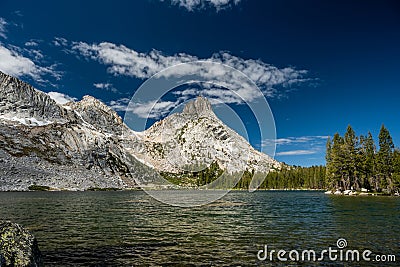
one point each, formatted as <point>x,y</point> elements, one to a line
<point>84,144</point>
<point>22,103</point>
<point>67,147</point>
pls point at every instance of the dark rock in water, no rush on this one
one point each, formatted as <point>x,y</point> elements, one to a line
<point>18,247</point>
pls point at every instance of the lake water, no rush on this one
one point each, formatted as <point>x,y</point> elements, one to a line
<point>132,229</point>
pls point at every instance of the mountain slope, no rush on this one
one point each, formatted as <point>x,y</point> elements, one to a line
<point>73,147</point>
<point>85,144</point>
<point>196,137</point>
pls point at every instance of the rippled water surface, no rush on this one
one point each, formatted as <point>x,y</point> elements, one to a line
<point>132,229</point>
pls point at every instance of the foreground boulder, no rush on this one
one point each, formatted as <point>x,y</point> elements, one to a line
<point>18,247</point>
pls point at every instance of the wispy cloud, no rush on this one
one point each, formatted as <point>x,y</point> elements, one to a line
<point>119,104</point>
<point>18,13</point>
<point>151,109</point>
<point>15,63</point>
<point>60,41</point>
<point>299,145</point>
<point>105,86</point>
<point>217,94</point>
<point>3,29</point>
<point>61,98</point>
<point>124,61</point>
<point>31,43</point>
<point>33,53</point>
<point>192,5</point>
<point>20,61</point>
<point>296,152</point>
<point>299,140</point>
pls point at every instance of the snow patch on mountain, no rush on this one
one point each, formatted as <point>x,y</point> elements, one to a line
<point>27,121</point>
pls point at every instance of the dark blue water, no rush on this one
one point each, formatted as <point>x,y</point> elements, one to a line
<point>132,229</point>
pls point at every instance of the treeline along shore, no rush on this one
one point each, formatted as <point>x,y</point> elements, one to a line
<point>356,163</point>
<point>353,163</point>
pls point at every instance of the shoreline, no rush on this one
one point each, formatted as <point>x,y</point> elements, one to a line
<point>362,193</point>
<point>329,192</point>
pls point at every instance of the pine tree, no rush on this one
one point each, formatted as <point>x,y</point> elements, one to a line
<point>337,165</point>
<point>385,158</point>
<point>368,160</point>
<point>351,160</point>
<point>328,158</point>
<point>396,161</point>
<point>396,169</point>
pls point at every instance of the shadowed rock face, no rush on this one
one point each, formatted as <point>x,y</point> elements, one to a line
<point>18,247</point>
<point>74,146</point>
<point>18,99</point>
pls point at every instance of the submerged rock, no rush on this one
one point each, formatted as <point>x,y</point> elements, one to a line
<point>18,247</point>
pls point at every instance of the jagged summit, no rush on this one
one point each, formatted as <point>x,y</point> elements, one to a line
<point>96,113</point>
<point>91,103</point>
<point>90,100</point>
<point>201,106</point>
<point>19,100</point>
<point>21,103</point>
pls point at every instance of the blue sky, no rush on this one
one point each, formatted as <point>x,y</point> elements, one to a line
<point>321,64</point>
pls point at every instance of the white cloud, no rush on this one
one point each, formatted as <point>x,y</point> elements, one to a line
<point>299,145</point>
<point>264,75</point>
<point>61,98</point>
<point>3,30</point>
<point>105,86</point>
<point>60,41</point>
<point>121,60</point>
<point>299,140</point>
<point>124,61</point>
<point>150,109</point>
<point>14,63</point>
<point>24,61</point>
<point>296,152</point>
<point>120,104</point>
<point>158,109</point>
<point>31,43</point>
<point>192,5</point>
<point>27,52</point>
<point>232,87</point>
<point>35,53</point>
<point>217,95</point>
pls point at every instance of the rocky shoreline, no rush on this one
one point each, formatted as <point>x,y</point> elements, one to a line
<point>37,171</point>
<point>18,247</point>
<point>363,192</point>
